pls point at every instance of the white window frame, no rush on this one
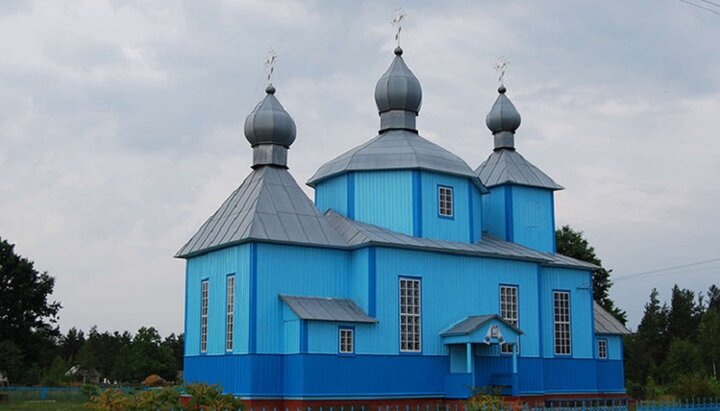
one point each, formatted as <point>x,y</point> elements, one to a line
<point>346,340</point>
<point>562,327</point>
<point>229,312</point>
<point>602,349</point>
<point>445,201</point>
<point>204,303</point>
<point>410,309</point>
<point>509,310</point>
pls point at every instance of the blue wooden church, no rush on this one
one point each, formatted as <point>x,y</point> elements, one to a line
<point>411,275</point>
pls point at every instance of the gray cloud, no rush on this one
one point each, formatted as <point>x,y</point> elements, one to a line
<point>121,124</point>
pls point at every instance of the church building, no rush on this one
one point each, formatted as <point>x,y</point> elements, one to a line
<point>410,275</point>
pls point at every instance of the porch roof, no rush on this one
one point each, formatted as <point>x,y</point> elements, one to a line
<point>479,329</point>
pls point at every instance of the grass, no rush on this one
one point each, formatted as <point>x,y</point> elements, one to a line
<point>47,405</point>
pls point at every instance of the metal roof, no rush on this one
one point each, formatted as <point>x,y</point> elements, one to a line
<point>326,309</point>
<point>356,233</point>
<point>503,116</point>
<point>269,123</point>
<point>396,149</point>
<point>398,88</point>
<point>507,166</point>
<point>268,205</point>
<point>473,323</point>
<point>606,323</point>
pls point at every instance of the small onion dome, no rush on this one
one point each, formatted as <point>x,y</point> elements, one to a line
<point>398,88</point>
<point>269,123</point>
<point>503,116</point>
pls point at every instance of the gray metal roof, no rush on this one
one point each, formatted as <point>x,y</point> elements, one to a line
<point>326,309</point>
<point>507,166</point>
<point>606,323</point>
<point>269,123</point>
<point>398,88</point>
<point>356,233</point>
<point>503,116</point>
<point>473,323</point>
<point>270,206</point>
<point>396,149</point>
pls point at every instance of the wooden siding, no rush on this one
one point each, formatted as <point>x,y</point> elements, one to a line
<point>578,284</point>
<point>215,267</point>
<point>455,228</point>
<point>493,212</point>
<point>453,287</point>
<point>532,220</point>
<point>303,271</point>
<point>332,193</point>
<point>384,198</point>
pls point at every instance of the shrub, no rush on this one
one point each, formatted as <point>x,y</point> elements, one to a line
<point>210,397</point>
<point>692,386</point>
<point>485,399</point>
<point>89,390</point>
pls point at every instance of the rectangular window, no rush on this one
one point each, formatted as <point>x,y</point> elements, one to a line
<point>509,310</point>
<point>445,201</point>
<point>345,341</point>
<point>203,315</point>
<point>561,304</point>
<point>230,313</point>
<point>602,349</point>
<point>410,333</point>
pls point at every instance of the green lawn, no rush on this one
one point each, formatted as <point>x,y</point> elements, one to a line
<point>48,405</point>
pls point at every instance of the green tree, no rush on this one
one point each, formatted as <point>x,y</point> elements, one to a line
<point>149,356</point>
<point>55,375</point>
<point>70,344</point>
<point>709,339</point>
<point>27,315</point>
<point>573,244</point>
<point>713,295</point>
<point>176,344</point>
<point>684,316</point>
<point>651,337</point>
<point>683,359</point>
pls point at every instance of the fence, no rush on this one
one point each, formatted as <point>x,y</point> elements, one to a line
<point>49,393</point>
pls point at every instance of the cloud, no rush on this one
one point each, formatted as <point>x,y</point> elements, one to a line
<point>121,124</point>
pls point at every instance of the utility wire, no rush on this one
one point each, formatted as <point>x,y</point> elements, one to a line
<point>701,7</point>
<point>683,272</point>
<point>711,3</point>
<point>664,270</point>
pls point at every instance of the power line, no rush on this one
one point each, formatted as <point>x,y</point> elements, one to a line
<point>701,7</point>
<point>683,272</point>
<point>663,270</point>
<point>711,3</point>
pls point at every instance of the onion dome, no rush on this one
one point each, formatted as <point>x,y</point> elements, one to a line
<point>270,131</point>
<point>503,120</point>
<point>398,96</point>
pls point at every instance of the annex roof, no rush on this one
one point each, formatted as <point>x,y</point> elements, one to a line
<point>507,166</point>
<point>356,233</point>
<point>473,323</point>
<point>606,323</point>
<point>270,206</point>
<point>392,150</point>
<point>326,309</point>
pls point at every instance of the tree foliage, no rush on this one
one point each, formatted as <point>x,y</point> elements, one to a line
<point>27,316</point>
<point>572,243</point>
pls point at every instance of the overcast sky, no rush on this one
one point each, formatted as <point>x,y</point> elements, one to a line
<point>121,125</point>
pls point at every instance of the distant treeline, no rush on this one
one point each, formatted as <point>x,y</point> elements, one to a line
<point>124,358</point>
<point>676,349</point>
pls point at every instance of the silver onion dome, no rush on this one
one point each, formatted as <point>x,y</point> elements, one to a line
<point>270,131</point>
<point>503,120</point>
<point>398,95</point>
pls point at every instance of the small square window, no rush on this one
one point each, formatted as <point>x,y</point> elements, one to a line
<point>602,349</point>
<point>445,201</point>
<point>346,343</point>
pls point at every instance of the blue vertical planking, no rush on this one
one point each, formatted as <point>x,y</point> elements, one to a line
<point>455,228</point>
<point>333,194</point>
<point>531,217</point>
<point>384,198</point>
<point>493,212</point>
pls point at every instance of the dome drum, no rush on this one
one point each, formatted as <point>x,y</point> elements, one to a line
<point>504,139</point>
<point>269,154</point>
<point>397,119</point>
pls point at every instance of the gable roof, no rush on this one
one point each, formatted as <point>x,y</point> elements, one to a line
<point>507,166</point>
<point>268,205</point>
<point>394,150</point>
<point>474,322</point>
<point>606,323</point>
<point>326,309</point>
<point>356,233</point>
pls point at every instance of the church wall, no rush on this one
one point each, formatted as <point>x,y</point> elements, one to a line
<point>293,270</point>
<point>533,220</point>
<point>455,228</point>
<point>383,198</point>
<point>493,212</point>
<point>453,287</point>
<point>579,284</point>
<point>333,194</point>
